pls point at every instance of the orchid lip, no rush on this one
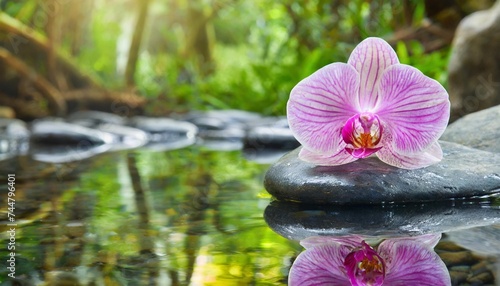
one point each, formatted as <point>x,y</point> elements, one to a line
<point>364,266</point>
<point>362,133</point>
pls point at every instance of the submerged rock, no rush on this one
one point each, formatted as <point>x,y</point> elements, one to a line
<point>273,134</point>
<point>474,65</point>
<point>54,141</point>
<point>221,130</point>
<point>220,119</point>
<point>268,139</point>
<point>480,130</point>
<point>14,137</point>
<point>463,172</point>
<point>165,133</point>
<point>124,137</point>
<point>298,221</point>
<point>91,118</point>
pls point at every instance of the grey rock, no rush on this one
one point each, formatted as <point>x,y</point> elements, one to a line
<point>474,65</point>
<point>90,118</point>
<point>263,156</point>
<point>463,172</point>
<point>14,137</point>
<point>269,137</point>
<point>483,240</point>
<point>480,130</point>
<point>124,137</point>
<point>228,139</point>
<point>165,133</point>
<point>221,130</point>
<point>221,119</point>
<point>62,142</point>
<point>298,221</point>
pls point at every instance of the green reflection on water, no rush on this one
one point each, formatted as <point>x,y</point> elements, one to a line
<point>148,218</point>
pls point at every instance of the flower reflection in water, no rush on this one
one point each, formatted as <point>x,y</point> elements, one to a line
<point>349,260</point>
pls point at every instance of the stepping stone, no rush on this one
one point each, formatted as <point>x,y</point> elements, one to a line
<point>463,172</point>
<point>54,141</point>
<point>14,138</point>
<point>165,133</point>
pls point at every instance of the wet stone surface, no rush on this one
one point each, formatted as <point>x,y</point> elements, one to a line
<point>298,221</point>
<point>463,172</point>
<point>165,133</point>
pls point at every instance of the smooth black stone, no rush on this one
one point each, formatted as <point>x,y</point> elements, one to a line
<point>165,133</point>
<point>298,221</point>
<point>124,137</point>
<point>221,130</point>
<point>55,132</point>
<point>89,118</point>
<point>480,130</point>
<point>210,123</point>
<point>263,156</point>
<point>463,172</point>
<point>14,138</point>
<point>62,142</point>
<point>222,140</point>
<point>221,119</point>
<point>269,137</point>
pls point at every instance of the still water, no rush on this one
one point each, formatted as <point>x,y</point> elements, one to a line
<point>183,217</point>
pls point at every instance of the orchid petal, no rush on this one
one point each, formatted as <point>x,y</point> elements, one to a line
<point>432,155</point>
<point>339,158</point>
<point>414,107</point>
<point>320,104</point>
<point>409,262</point>
<point>322,265</point>
<point>370,58</point>
<point>352,241</point>
<point>362,152</point>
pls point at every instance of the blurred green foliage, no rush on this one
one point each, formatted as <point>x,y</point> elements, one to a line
<point>216,54</point>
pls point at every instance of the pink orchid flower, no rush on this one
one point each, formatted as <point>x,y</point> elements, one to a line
<point>372,104</point>
<point>345,261</point>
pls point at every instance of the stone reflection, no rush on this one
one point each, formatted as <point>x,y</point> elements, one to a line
<point>391,244</point>
<point>350,260</point>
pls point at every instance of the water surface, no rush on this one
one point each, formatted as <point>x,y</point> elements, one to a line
<point>183,217</point>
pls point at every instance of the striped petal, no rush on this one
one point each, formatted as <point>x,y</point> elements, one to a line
<point>370,58</point>
<point>414,108</point>
<point>351,241</point>
<point>432,155</point>
<point>409,262</point>
<point>339,158</point>
<point>321,265</point>
<point>319,106</point>
<point>429,240</point>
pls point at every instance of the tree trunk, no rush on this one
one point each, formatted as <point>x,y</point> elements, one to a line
<point>56,102</point>
<point>135,45</point>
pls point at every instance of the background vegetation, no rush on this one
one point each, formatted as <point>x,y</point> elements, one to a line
<point>182,55</point>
